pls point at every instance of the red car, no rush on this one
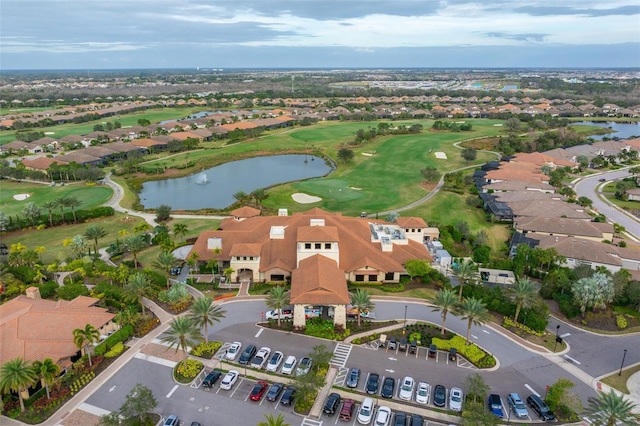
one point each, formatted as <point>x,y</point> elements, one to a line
<point>258,390</point>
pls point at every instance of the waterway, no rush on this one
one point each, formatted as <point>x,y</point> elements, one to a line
<point>621,130</point>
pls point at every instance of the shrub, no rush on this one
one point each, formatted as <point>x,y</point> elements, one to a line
<point>392,289</point>
<point>71,291</point>
<point>145,325</point>
<point>121,335</point>
<point>206,350</point>
<point>508,322</point>
<point>621,322</point>
<point>187,370</point>
<point>117,349</point>
<point>566,305</point>
<point>177,292</point>
<point>471,352</point>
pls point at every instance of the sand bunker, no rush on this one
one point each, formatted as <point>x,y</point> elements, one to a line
<point>440,155</point>
<point>497,125</point>
<point>355,188</point>
<point>302,198</point>
<point>21,197</point>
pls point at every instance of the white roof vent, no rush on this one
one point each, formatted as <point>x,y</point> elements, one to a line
<point>214,243</point>
<point>283,212</point>
<point>276,233</point>
<point>316,222</point>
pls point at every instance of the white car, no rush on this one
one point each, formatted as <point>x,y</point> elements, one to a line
<point>422,393</point>
<point>304,366</point>
<point>261,357</point>
<point>274,361</point>
<point>229,380</point>
<point>365,413</point>
<point>406,389</point>
<point>233,351</point>
<point>455,399</point>
<point>289,365</point>
<point>383,417</point>
<point>284,314</point>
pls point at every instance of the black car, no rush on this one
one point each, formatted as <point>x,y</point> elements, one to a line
<point>372,383</point>
<point>175,270</point>
<point>439,396</point>
<point>247,354</point>
<point>288,396</point>
<point>211,379</point>
<point>332,403</point>
<point>274,391</point>
<point>540,407</point>
<point>416,420</point>
<point>400,419</point>
<point>388,386</point>
<point>353,378</point>
<point>432,351</point>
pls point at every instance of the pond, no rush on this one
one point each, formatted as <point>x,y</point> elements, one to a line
<point>621,130</point>
<point>214,188</point>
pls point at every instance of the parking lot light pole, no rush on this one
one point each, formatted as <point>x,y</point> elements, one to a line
<point>557,331</point>
<point>624,354</point>
<point>404,324</point>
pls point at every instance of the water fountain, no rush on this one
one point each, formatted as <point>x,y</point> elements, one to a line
<point>202,179</point>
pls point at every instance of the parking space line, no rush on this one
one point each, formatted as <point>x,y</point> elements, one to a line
<point>236,388</point>
<point>259,333</point>
<point>532,390</point>
<point>172,391</point>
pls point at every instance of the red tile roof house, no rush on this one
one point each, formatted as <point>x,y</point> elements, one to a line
<point>34,329</point>
<point>317,250</point>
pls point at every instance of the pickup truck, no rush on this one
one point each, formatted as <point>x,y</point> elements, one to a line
<point>284,314</point>
<point>353,313</point>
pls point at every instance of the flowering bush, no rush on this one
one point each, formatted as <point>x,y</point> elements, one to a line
<point>508,322</point>
<point>115,351</point>
<point>206,350</point>
<point>187,370</point>
<point>81,382</point>
<point>471,352</point>
<point>621,322</point>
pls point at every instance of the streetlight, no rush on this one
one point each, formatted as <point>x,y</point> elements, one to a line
<point>558,338</point>
<point>404,325</point>
<point>622,363</point>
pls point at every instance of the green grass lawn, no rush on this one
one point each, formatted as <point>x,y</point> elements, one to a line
<point>90,196</point>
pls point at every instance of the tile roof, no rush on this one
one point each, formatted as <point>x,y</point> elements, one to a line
<point>411,222</point>
<point>40,163</point>
<point>319,281</point>
<point>245,212</point>
<point>570,227</point>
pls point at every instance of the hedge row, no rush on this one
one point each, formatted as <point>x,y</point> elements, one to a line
<point>471,352</point>
<point>121,335</point>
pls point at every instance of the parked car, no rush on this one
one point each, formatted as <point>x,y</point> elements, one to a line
<point>247,354</point>
<point>439,396</point>
<point>453,354</point>
<point>400,419</point>
<point>258,390</point>
<point>433,351</point>
<point>211,379</point>
<point>540,407</point>
<point>259,360</point>
<point>416,420</point>
<point>196,424</point>
<point>233,351</point>
<point>422,393</point>
<point>304,366</point>
<point>288,396</point>
<point>388,387</point>
<point>455,399</point>
<point>495,405</point>
<point>172,420</point>
<point>274,391</point>
<point>403,344</point>
<point>602,180</point>
<point>365,413</point>
<point>289,365</point>
<point>413,347</point>
<point>229,379</point>
<point>274,361</point>
<point>331,404</point>
<point>176,270</point>
<point>284,314</point>
<point>406,389</point>
<point>353,378</point>
<point>383,416</point>
<point>346,412</point>
<point>372,383</point>
<point>517,406</point>
<point>393,343</point>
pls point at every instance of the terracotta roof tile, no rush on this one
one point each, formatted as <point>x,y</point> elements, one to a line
<point>319,281</point>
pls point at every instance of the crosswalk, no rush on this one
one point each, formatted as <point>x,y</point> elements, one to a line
<point>310,422</point>
<point>340,355</point>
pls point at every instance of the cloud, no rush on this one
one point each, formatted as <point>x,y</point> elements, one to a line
<point>519,37</point>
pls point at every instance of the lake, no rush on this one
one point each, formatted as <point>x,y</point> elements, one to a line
<point>622,130</point>
<point>214,187</point>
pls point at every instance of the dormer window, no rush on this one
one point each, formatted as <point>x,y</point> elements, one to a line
<point>307,246</point>
<point>318,246</point>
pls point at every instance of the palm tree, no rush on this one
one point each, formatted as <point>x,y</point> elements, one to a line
<point>240,196</point>
<point>475,312</point>
<point>361,300</point>
<point>180,229</point>
<point>204,313</point>
<point>466,272</point>
<point>609,409</point>
<point>183,333</point>
<point>88,335</point>
<point>17,375</point>
<point>47,370</point>
<point>444,301</point>
<point>277,299</point>
<point>95,232</point>
<point>258,195</point>
<point>228,272</point>
<point>50,206</point>
<point>138,286</point>
<point>73,202</point>
<point>274,421</point>
<point>524,293</point>
<point>165,261</point>
<point>134,245</point>
<point>61,202</point>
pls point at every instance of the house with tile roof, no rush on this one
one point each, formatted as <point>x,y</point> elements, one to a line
<point>33,328</point>
<point>317,251</point>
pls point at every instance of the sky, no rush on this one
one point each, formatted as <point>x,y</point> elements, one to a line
<point>131,34</point>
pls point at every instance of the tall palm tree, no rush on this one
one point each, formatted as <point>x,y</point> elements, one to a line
<point>180,229</point>
<point>95,232</point>
<point>138,286</point>
<point>277,299</point>
<point>87,336</point>
<point>524,293</point>
<point>47,370</point>
<point>474,311</point>
<point>182,333</point>
<point>270,420</point>
<point>204,313</point>
<point>444,301</point>
<point>73,202</point>
<point>466,272</point>
<point>240,196</point>
<point>50,206</point>
<point>361,300</point>
<point>165,261</point>
<point>135,244</point>
<point>609,409</point>
<point>61,202</point>
<point>17,375</point>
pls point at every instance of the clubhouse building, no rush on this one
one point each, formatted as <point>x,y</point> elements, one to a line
<point>317,251</point>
